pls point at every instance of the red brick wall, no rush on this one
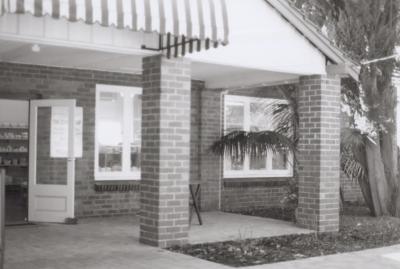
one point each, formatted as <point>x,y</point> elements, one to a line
<point>195,133</point>
<point>210,165</point>
<point>20,81</point>
<point>351,189</point>
<point>166,135</point>
<point>319,153</point>
<point>252,193</point>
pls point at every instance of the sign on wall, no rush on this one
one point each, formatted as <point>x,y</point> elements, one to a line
<point>59,132</point>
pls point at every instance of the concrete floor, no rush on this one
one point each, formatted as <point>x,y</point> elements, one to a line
<point>112,243</point>
<point>220,226</point>
<point>108,243</point>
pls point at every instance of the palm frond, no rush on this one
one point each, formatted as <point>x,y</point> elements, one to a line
<point>285,120</point>
<point>352,139</point>
<point>352,156</point>
<point>352,168</point>
<point>240,143</point>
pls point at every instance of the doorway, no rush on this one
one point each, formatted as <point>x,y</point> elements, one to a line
<point>37,153</point>
<point>14,158</point>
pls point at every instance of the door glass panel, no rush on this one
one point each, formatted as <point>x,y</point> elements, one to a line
<point>109,130</point>
<point>50,170</point>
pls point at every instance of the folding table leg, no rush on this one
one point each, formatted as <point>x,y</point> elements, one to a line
<point>195,200</point>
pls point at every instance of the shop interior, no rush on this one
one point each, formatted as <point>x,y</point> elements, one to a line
<point>14,158</point>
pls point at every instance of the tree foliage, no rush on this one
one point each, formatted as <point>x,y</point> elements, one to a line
<point>366,30</point>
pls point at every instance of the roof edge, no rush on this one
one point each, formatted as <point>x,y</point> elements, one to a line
<point>314,35</point>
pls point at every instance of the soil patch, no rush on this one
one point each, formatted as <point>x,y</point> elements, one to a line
<point>358,231</point>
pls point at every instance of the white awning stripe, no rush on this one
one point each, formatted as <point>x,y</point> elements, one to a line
<point>194,19</point>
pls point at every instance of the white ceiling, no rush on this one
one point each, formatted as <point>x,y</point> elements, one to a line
<point>214,75</point>
<point>18,52</point>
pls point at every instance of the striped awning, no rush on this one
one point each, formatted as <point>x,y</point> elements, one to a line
<point>183,25</point>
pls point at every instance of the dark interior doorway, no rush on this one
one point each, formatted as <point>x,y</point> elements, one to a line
<point>14,158</point>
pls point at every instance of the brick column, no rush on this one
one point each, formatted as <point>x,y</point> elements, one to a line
<point>165,151</point>
<point>319,153</point>
<point>210,164</point>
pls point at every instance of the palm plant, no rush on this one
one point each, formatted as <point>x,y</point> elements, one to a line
<point>284,138</point>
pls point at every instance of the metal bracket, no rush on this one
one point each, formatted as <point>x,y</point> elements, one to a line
<point>194,43</point>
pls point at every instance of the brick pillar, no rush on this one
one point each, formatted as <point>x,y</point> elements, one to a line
<point>165,151</point>
<point>210,164</point>
<point>319,153</point>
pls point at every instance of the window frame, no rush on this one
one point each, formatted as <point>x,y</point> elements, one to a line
<point>246,172</point>
<point>127,129</point>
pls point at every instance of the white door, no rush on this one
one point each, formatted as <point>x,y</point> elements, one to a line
<point>51,160</point>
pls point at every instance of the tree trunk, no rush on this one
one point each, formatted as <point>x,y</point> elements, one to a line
<point>390,162</point>
<point>377,179</point>
<point>361,157</point>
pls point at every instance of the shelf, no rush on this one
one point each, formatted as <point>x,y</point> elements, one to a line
<point>17,152</point>
<point>14,139</point>
<point>14,127</point>
<point>12,165</point>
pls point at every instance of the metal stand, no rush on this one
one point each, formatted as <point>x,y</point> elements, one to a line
<point>195,194</point>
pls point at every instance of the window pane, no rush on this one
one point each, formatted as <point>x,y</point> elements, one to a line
<point>234,164</point>
<point>260,119</point>
<point>258,163</point>
<point>279,161</point>
<point>50,170</point>
<point>109,131</point>
<point>234,117</point>
<point>136,133</point>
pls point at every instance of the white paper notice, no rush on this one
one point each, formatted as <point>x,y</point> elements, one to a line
<point>59,132</point>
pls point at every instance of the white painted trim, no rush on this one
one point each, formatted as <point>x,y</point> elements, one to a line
<point>75,44</point>
<point>259,174</point>
<point>125,174</point>
<point>194,58</point>
<point>264,84</point>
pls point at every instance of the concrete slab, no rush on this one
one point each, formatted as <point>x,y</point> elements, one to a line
<point>110,243</point>
<point>219,226</point>
<point>114,242</point>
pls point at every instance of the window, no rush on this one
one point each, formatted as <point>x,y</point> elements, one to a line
<point>118,132</point>
<point>253,114</point>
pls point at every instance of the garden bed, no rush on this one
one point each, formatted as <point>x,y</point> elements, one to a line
<point>358,231</point>
<point>280,213</point>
